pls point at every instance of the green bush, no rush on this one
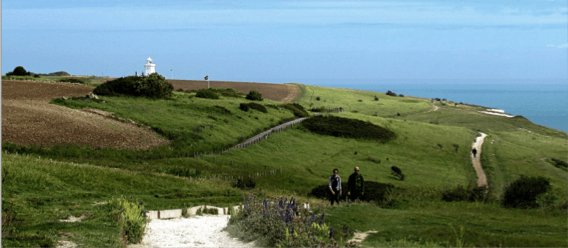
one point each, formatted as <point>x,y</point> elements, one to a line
<point>347,128</point>
<point>460,193</point>
<point>397,173</point>
<point>72,80</point>
<point>245,183</point>
<point>390,93</point>
<point>283,223</point>
<point>207,93</point>
<point>19,71</point>
<point>254,95</point>
<point>523,192</point>
<point>298,109</point>
<point>152,86</point>
<point>130,218</point>
<point>246,106</point>
<point>559,163</point>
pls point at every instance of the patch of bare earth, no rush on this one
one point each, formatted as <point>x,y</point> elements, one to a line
<point>29,119</point>
<point>276,92</point>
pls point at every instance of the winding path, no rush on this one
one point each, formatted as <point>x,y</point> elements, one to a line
<point>481,178</point>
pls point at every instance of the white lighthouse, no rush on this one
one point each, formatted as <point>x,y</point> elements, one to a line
<point>149,67</point>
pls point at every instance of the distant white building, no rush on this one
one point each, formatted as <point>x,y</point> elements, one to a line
<point>149,67</point>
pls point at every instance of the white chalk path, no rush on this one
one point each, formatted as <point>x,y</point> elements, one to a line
<point>199,231</point>
<point>481,178</point>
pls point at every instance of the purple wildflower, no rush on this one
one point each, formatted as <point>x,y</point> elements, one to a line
<point>322,218</point>
<point>330,232</point>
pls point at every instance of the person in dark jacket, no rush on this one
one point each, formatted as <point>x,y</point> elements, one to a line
<point>474,151</point>
<point>335,187</point>
<point>355,185</point>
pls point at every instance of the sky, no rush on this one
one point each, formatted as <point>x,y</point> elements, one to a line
<point>290,41</point>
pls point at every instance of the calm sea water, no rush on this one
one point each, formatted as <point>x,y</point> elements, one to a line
<point>544,102</point>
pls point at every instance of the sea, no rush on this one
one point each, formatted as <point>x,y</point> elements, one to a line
<point>543,101</point>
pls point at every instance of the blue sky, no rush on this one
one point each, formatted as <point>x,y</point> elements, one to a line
<point>290,41</point>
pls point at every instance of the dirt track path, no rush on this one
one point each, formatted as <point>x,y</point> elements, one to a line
<point>481,178</point>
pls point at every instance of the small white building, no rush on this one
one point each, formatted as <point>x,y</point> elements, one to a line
<point>149,67</point>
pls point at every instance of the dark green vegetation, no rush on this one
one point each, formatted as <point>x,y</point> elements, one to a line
<point>523,192</point>
<point>254,95</point>
<point>207,93</point>
<point>246,106</point>
<point>347,128</point>
<point>19,71</point>
<point>430,207</point>
<point>152,86</point>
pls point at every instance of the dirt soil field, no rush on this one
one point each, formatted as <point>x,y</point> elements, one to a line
<point>276,92</point>
<point>29,119</point>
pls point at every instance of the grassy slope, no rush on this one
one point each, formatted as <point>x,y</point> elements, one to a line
<point>308,159</point>
<point>361,101</point>
<point>45,191</point>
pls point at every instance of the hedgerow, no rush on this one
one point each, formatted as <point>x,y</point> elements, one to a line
<point>347,128</point>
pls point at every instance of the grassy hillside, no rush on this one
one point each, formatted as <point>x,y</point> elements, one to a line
<point>432,148</point>
<point>45,191</point>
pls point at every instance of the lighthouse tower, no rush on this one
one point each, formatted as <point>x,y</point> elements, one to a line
<point>149,67</point>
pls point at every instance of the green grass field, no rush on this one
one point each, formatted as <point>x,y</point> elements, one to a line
<point>432,149</point>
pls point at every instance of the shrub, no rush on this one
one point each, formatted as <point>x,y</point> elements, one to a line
<point>281,222</point>
<point>254,95</point>
<point>207,93</point>
<point>245,183</point>
<point>18,71</point>
<point>298,109</point>
<point>258,107</point>
<point>460,193</point>
<point>130,217</point>
<point>400,95</point>
<point>376,98</point>
<point>559,163</point>
<point>246,106</point>
<point>152,86</point>
<point>36,76</point>
<point>390,93</point>
<point>360,100</point>
<point>523,192</point>
<point>72,80</point>
<point>223,110</point>
<point>397,173</point>
<point>347,128</point>
<point>318,98</point>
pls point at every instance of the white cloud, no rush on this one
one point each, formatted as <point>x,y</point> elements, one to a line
<point>561,46</point>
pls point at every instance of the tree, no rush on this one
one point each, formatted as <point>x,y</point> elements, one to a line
<point>18,71</point>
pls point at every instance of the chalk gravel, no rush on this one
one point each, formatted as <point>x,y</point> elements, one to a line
<point>199,231</point>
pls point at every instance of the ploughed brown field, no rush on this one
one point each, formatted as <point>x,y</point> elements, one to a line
<point>276,92</point>
<point>29,119</point>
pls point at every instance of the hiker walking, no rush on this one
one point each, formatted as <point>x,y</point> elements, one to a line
<point>355,185</point>
<point>335,187</point>
<point>474,151</point>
